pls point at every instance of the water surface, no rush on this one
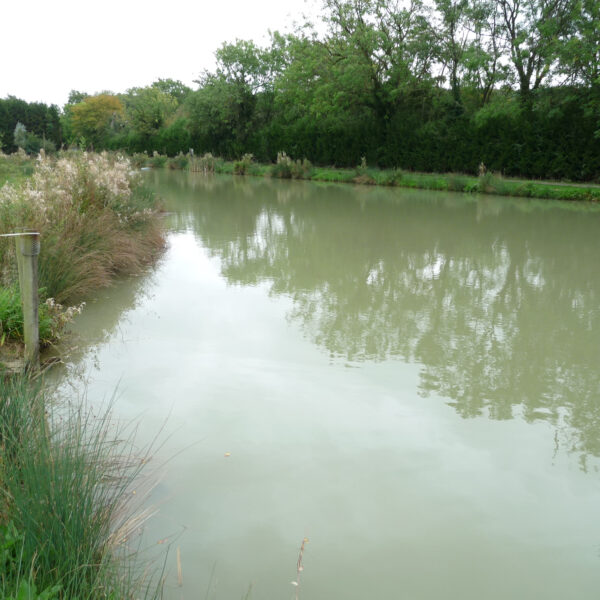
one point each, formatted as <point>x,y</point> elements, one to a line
<point>408,379</point>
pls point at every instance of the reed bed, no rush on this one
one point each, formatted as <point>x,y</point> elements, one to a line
<point>97,221</point>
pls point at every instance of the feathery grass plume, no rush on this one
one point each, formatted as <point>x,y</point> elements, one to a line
<point>95,218</point>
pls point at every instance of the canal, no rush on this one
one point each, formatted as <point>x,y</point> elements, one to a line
<point>409,380</point>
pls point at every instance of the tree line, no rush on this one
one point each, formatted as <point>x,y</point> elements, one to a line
<point>438,86</point>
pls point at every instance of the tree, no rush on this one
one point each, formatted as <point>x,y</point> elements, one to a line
<point>536,31</point>
<point>95,117</point>
<point>384,47</point>
<point>230,102</point>
<point>148,109</point>
<point>452,34</point>
<point>484,63</point>
<point>580,59</point>
<point>75,97</point>
<point>20,136</point>
<point>174,88</point>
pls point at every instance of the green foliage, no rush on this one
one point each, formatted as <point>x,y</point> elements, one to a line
<point>15,167</point>
<point>139,159</point>
<point>288,168</point>
<point>205,164</point>
<point>157,161</point>
<point>178,162</point>
<point>148,109</point>
<point>66,501</point>
<point>95,117</point>
<point>39,120</point>
<point>243,166</point>
<point>95,217</point>
<point>20,136</point>
<point>421,86</point>
<point>11,576</point>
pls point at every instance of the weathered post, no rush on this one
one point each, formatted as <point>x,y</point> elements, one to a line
<point>27,251</point>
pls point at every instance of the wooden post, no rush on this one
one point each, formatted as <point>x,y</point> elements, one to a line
<point>28,248</point>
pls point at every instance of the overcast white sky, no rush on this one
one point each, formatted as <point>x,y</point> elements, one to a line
<point>53,46</point>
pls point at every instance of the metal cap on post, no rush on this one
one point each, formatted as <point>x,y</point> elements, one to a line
<point>28,249</point>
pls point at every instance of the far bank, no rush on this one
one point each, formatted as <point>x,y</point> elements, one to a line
<point>288,168</point>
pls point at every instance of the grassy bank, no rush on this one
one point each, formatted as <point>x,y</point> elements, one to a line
<point>66,505</point>
<point>288,168</point>
<point>66,476</point>
<point>97,222</point>
<point>15,168</point>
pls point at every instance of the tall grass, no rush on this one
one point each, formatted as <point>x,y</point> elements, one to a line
<point>66,506</point>
<point>95,217</point>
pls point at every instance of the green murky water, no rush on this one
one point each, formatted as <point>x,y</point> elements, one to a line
<point>410,380</point>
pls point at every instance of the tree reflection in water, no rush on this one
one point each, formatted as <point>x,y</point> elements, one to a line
<point>498,300</point>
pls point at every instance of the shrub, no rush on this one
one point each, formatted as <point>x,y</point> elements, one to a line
<point>288,168</point>
<point>205,164</point>
<point>139,159</point>
<point>20,136</point>
<point>242,166</point>
<point>158,161</point>
<point>485,181</point>
<point>363,175</point>
<point>179,162</point>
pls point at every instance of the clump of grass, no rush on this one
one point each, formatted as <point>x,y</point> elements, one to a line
<point>205,164</point>
<point>486,182</point>
<point>388,177</point>
<point>363,174</point>
<point>96,221</point>
<point>244,165</point>
<point>223,167</point>
<point>288,168</point>
<point>178,162</point>
<point>139,159</point>
<point>66,507</point>
<point>457,183</point>
<point>157,161</point>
